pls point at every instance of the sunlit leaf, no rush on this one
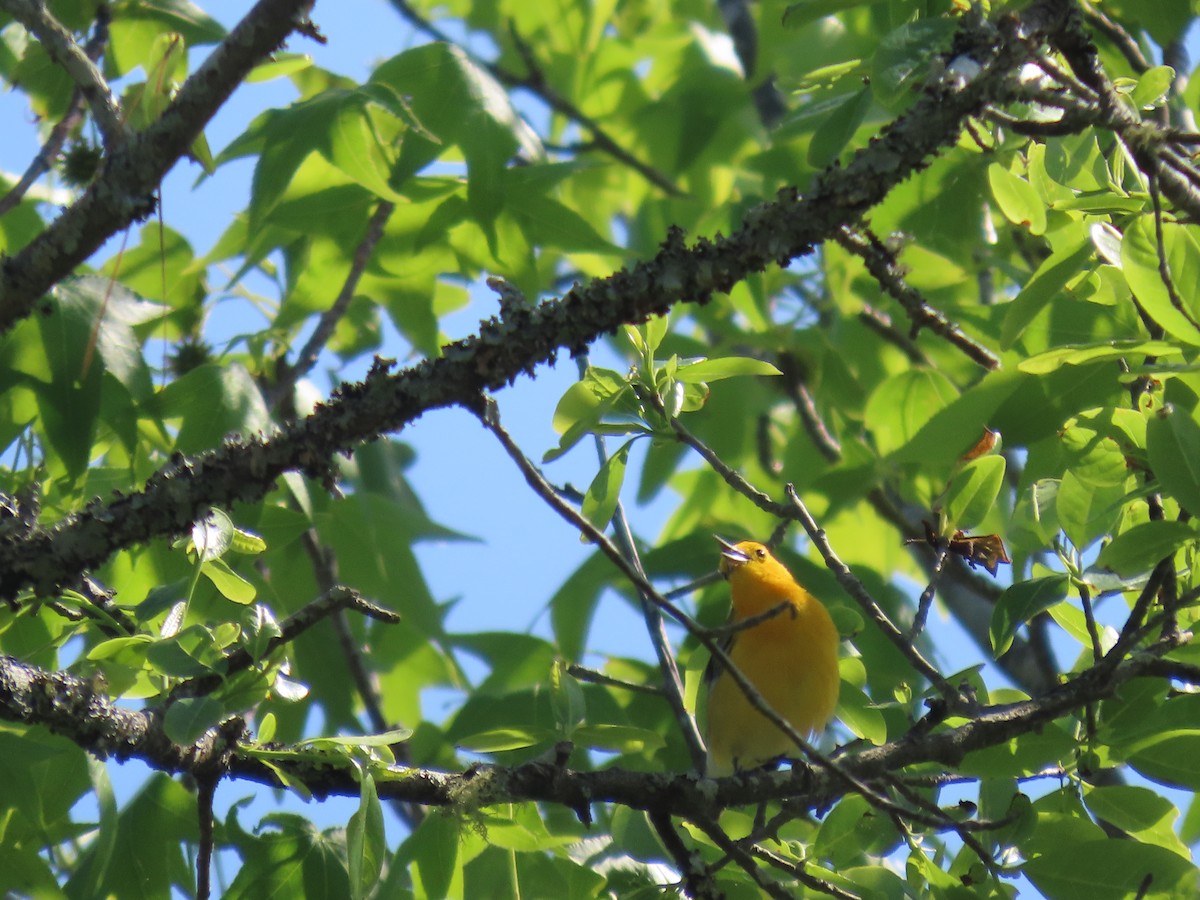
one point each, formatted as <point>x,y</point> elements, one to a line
<point>1020,603</point>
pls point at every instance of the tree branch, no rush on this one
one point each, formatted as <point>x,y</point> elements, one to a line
<point>885,269</point>
<point>61,47</point>
<point>334,600</point>
<point>124,191</point>
<point>504,348</point>
<point>62,129</point>
<point>69,705</point>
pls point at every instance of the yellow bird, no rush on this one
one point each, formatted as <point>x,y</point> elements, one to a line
<point>791,658</point>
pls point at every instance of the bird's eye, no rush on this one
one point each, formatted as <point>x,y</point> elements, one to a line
<point>760,553</point>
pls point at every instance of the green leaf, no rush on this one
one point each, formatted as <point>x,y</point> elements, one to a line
<point>432,854</point>
<point>1173,448</point>
<point>247,542</point>
<point>566,698</point>
<point>858,712</point>
<point>212,401</point>
<point>458,103</point>
<point>1139,812</point>
<point>1140,263</point>
<point>972,492</point>
<point>574,605</point>
<point>1095,459</point>
<point>1022,755</point>
<point>584,404</point>
<point>171,659</point>
<point>357,741</point>
<point>603,494</point>
<point>288,857</point>
<point>1087,512</point>
<point>1087,870</point>
<point>827,76</point>
<point>838,128</point>
<point>46,776</point>
<point>548,222</point>
<point>25,874</point>
<point>655,329</point>
<point>904,404</point>
<point>1081,354</point>
<point>618,738</point>
<point>1152,87</point>
<point>1018,199</point>
<point>366,843</point>
<point>280,65</point>
<point>1142,547</point>
<point>354,146</point>
<point>1035,519</point>
<point>851,829</point>
<point>231,585</point>
<point>86,348</point>
<point>500,739</point>
<point>190,717</point>
<point>799,14</point>
<point>131,649</point>
<point>1020,603</point>
<point>1170,757</point>
<point>708,370</point>
<point>902,59</point>
<point>1051,279</point>
<point>146,847</point>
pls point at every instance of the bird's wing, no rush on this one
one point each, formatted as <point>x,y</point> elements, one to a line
<point>715,667</point>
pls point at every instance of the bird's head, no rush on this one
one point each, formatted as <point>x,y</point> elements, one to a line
<point>744,553</point>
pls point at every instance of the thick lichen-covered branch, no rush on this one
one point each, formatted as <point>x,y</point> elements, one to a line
<point>777,232</point>
<point>70,706</point>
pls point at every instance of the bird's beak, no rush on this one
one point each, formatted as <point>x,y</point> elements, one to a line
<point>731,555</point>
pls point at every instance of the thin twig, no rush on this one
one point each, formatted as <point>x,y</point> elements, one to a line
<point>1129,631</point>
<point>62,129</point>
<point>884,268</point>
<point>672,683</point>
<point>324,565</point>
<point>652,615</point>
<point>206,788</point>
<point>797,871</point>
<point>964,829</point>
<point>61,47</point>
<point>745,861</point>
<point>806,407</point>
<point>698,883</point>
<point>925,601</point>
<point>852,586</point>
<point>489,417</point>
<point>1076,95</point>
<point>1181,163</point>
<point>752,621</point>
<point>337,598</point>
<point>1089,617</point>
<point>798,512</point>
<point>592,676</point>
<point>311,351</point>
<point>694,585</point>
<point>1122,39</point>
<point>1189,673</point>
<point>731,477</point>
<point>1164,270</point>
<point>1178,136</point>
<point>881,323</point>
